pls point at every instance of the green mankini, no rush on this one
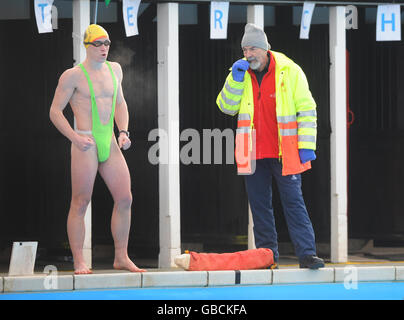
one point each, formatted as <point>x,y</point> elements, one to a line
<point>102,133</point>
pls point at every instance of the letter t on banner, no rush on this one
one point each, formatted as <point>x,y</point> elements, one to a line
<point>130,9</point>
<point>307,14</point>
<point>43,15</point>
<point>388,24</point>
<point>219,16</point>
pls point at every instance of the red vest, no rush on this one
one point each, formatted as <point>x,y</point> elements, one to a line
<point>265,123</point>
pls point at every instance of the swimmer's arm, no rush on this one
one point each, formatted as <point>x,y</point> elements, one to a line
<point>121,108</point>
<point>63,93</point>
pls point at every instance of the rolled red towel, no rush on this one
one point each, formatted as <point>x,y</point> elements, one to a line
<point>261,258</point>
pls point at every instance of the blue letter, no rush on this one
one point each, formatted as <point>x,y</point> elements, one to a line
<point>42,6</point>
<point>392,21</point>
<point>129,15</point>
<point>218,18</point>
<point>305,12</point>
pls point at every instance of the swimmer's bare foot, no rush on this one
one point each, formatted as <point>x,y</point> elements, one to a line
<point>81,268</point>
<point>126,264</point>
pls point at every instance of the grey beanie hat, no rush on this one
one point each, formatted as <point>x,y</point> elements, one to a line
<point>254,36</point>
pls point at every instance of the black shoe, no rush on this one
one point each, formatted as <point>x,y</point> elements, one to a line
<point>311,262</point>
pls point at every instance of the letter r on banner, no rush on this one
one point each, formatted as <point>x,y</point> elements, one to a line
<point>219,16</point>
<point>388,24</point>
<point>130,9</point>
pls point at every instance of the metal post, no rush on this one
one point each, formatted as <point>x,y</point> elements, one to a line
<point>168,121</point>
<point>96,12</point>
<point>338,113</point>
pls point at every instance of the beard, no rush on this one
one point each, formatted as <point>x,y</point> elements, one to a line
<point>254,64</point>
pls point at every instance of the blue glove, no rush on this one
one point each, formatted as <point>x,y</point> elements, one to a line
<point>239,68</point>
<point>306,155</point>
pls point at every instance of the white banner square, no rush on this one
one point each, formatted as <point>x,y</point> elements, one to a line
<point>307,14</point>
<point>219,17</point>
<point>388,24</point>
<point>43,15</point>
<point>130,9</point>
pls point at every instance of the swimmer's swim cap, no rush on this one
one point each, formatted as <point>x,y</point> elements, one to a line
<point>94,32</point>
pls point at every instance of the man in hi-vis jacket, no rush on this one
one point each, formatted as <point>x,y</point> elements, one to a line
<point>275,137</point>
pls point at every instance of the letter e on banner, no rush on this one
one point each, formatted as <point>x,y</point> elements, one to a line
<point>43,15</point>
<point>219,16</point>
<point>388,24</point>
<point>130,9</point>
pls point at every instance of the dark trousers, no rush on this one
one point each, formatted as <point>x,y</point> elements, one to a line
<point>259,190</point>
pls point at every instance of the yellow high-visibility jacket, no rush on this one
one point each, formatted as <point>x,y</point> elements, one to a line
<point>295,113</point>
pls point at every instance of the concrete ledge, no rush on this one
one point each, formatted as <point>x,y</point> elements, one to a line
<point>37,283</point>
<point>221,278</point>
<point>384,273</point>
<point>256,277</point>
<point>107,281</point>
<point>43,282</point>
<point>175,279</point>
<point>302,276</point>
<point>242,277</point>
<point>400,273</point>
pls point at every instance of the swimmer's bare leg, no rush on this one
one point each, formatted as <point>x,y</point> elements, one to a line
<point>84,165</point>
<point>116,175</point>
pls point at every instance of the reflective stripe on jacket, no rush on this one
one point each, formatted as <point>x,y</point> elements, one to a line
<point>295,111</point>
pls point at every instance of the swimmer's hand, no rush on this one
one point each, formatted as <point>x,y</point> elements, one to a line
<point>123,141</point>
<point>83,143</point>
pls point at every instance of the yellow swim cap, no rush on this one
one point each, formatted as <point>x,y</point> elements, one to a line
<point>94,32</point>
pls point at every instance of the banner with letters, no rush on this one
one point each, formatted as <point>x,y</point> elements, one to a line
<point>307,14</point>
<point>43,15</point>
<point>219,17</point>
<point>130,10</point>
<point>388,23</point>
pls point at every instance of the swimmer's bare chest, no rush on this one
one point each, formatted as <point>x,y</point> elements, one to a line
<point>80,101</point>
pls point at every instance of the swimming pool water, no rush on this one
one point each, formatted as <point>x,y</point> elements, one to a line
<point>326,291</point>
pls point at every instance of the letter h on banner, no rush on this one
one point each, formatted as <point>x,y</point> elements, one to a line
<point>388,24</point>
<point>219,16</point>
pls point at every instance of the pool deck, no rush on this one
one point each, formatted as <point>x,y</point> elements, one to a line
<point>357,269</point>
